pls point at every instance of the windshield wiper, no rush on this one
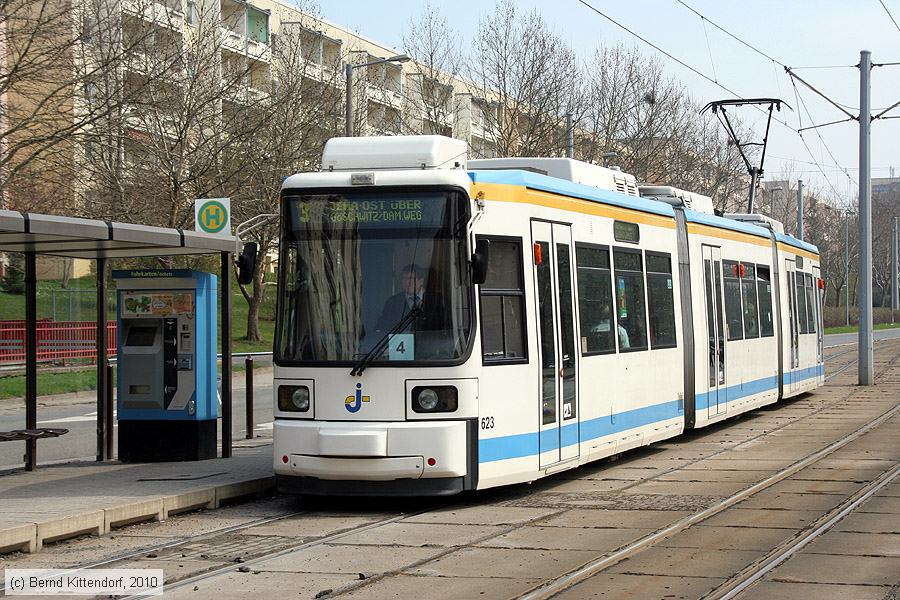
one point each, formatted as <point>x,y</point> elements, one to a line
<point>378,348</point>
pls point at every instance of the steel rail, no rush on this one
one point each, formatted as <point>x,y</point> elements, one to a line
<point>743,580</point>
<point>560,584</point>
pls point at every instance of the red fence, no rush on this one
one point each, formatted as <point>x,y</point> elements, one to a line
<point>57,341</point>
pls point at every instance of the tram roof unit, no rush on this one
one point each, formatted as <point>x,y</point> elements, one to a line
<point>423,152</point>
<point>569,169</point>
<point>676,197</point>
<point>765,220</point>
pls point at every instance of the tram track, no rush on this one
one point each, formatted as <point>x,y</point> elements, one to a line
<point>585,572</point>
<point>171,548</point>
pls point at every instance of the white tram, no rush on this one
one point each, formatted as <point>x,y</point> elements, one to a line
<point>445,326</point>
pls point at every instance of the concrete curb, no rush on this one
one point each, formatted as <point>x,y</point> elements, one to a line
<point>30,537</point>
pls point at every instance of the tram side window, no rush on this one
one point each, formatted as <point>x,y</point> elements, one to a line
<point>631,311</point>
<point>800,290</point>
<point>748,296</point>
<point>595,299</point>
<point>764,283</point>
<point>661,299</point>
<point>733,311</point>
<point>503,304</point>
<point>810,304</point>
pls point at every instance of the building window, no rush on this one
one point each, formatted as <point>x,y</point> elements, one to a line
<point>503,304</point>
<point>192,17</point>
<point>734,323</point>
<point>661,298</point>
<point>631,312</point>
<point>764,285</point>
<point>748,296</point>
<point>595,305</point>
<point>257,25</point>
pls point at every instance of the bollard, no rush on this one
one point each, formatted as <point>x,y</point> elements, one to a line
<point>248,402</point>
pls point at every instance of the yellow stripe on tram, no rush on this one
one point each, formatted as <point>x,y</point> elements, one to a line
<point>500,192</point>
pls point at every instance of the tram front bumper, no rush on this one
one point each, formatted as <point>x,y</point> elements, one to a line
<point>371,451</point>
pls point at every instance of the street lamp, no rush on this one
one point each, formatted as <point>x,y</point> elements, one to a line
<point>348,70</point>
<point>607,156</point>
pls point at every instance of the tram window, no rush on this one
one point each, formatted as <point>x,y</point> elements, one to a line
<point>503,304</point>
<point>764,285</point>
<point>800,290</point>
<point>810,304</point>
<point>626,232</point>
<point>733,312</point>
<point>595,299</point>
<point>661,298</point>
<point>631,312</point>
<point>748,296</point>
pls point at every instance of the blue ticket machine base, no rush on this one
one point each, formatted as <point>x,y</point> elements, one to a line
<point>167,398</point>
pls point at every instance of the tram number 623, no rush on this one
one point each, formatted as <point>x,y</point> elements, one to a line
<point>487,422</point>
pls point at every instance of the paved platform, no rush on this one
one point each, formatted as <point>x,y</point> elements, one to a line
<point>62,501</point>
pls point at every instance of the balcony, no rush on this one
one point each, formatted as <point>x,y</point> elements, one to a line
<point>381,95</point>
<point>236,42</point>
<point>168,14</point>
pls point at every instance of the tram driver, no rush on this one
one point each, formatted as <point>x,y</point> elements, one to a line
<point>410,296</point>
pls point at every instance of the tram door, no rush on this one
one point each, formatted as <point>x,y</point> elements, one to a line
<point>715,329</point>
<point>791,277</point>
<point>820,320</point>
<point>553,258</point>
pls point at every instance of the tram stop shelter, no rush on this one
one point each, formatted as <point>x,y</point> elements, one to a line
<point>33,234</point>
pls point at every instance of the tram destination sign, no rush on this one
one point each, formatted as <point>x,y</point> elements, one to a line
<point>421,211</point>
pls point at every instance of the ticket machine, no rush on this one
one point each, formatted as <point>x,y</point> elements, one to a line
<point>167,397</point>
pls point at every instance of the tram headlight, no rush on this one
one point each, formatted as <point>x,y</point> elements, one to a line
<point>293,398</point>
<point>434,399</point>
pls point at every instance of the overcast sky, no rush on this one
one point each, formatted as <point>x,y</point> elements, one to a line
<point>798,33</point>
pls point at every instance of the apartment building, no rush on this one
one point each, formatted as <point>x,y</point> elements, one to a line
<point>389,98</point>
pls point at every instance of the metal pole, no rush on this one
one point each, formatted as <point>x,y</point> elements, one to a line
<point>570,136</point>
<point>30,358</point>
<point>110,411</point>
<point>348,107</point>
<point>226,355</point>
<point>895,293</point>
<point>248,396</point>
<point>799,209</point>
<point>866,349</point>
<point>102,432</point>
<point>753,176</point>
<point>847,265</point>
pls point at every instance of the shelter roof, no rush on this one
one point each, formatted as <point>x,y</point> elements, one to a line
<point>89,238</point>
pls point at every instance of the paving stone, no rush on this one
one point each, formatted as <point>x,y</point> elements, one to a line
<point>860,544</point>
<point>404,587</point>
<point>514,563</point>
<point>634,587</point>
<point>482,515</point>
<point>240,586</point>
<point>709,475</point>
<point>869,523</point>
<point>423,534</point>
<point>173,568</point>
<point>840,569</point>
<point>306,526</point>
<point>727,538</point>
<point>686,562</point>
<point>751,517</point>
<point>702,488</point>
<point>801,486</point>
<point>339,558</point>
<point>770,590</point>
<point>774,499</point>
<point>886,505</point>
<point>589,485</point>
<point>633,519</point>
<point>567,538</point>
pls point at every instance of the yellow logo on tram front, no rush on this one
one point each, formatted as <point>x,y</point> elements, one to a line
<point>212,217</point>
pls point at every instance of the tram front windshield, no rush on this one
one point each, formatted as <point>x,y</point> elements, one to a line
<point>377,273</point>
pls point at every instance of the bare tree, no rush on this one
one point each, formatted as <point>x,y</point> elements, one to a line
<point>430,104</point>
<point>532,79</point>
